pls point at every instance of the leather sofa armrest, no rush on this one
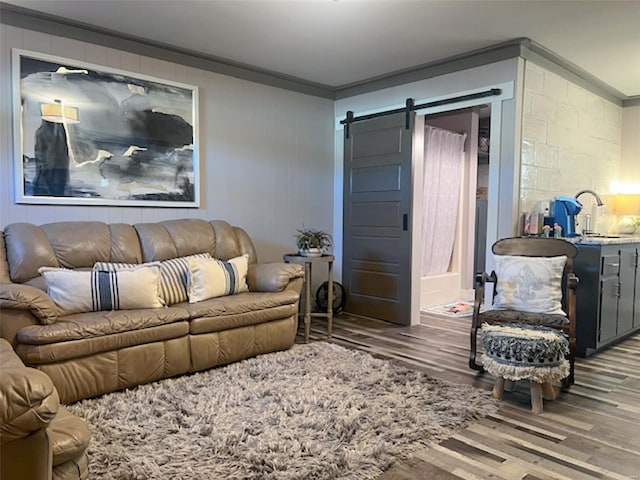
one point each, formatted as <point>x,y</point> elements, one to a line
<point>272,277</point>
<point>28,399</point>
<point>24,297</point>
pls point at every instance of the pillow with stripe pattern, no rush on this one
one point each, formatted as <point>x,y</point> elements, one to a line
<point>174,276</point>
<point>78,291</point>
<point>210,277</point>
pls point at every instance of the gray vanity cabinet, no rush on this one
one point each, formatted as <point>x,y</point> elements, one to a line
<point>608,295</point>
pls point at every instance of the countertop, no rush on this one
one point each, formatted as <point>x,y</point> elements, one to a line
<point>616,239</point>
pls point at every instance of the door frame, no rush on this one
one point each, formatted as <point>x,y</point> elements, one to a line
<point>504,177</point>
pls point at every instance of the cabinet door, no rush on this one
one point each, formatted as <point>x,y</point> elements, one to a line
<point>627,281</point>
<point>636,309</point>
<point>608,309</point>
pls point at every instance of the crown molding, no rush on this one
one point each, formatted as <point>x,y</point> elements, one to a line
<point>475,58</point>
<point>519,47</point>
<point>545,58</point>
<point>62,27</point>
<point>631,102</point>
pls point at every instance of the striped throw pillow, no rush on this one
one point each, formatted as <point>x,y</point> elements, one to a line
<point>210,277</point>
<point>174,276</point>
<point>78,291</point>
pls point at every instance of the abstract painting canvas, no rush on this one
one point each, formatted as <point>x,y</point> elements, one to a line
<point>91,135</point>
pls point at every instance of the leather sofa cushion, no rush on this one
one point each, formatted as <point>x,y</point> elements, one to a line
<point>68,245</point>
<point>60,351</point>
<point>220,323</point>
<point>239,303</point>
<point>175,238</point>
<point>69,437</point>
<point>97,324</point>
<point>239,310</point>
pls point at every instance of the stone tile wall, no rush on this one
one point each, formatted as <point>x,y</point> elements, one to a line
<point>571,140</point>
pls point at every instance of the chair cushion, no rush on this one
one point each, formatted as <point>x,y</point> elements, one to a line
<point>513,316</point>
<point>529,284</point>
<point>516,351</point>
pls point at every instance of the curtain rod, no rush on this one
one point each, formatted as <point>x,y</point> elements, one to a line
<point>410,107</point>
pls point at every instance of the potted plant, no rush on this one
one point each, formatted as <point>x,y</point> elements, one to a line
<point>312,242</point>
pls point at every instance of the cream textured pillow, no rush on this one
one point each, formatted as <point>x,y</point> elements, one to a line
<point>174,275</point>
<point>89,291</point>
<point>529,284</point>
<point>210,277</point>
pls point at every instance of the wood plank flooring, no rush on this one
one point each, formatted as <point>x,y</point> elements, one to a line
<point>592,431</point>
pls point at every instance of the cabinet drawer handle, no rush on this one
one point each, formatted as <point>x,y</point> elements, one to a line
<point>612,264</point>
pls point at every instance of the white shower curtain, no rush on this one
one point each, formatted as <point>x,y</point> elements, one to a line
<point>443,158</point>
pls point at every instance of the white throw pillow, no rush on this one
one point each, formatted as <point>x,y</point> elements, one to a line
<point>174,275</point>
<point>210,277</point>
<point>89,291</point>
<point>529,284</point>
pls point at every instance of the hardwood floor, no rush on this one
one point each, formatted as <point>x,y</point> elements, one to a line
<point>591,431</point>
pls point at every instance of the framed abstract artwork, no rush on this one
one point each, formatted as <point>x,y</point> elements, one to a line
<point>91,135</point>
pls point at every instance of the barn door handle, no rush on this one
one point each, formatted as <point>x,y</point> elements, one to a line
<point>405,222</point>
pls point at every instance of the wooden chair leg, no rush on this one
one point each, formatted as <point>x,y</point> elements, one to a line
<point>536,397</point>
<point>498,388</point>
<point>473,347</point>
<point>548,393</point>
<point>572,360</point>
<point>568,381</point>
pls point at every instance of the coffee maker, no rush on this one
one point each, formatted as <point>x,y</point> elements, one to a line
<point>564,211</point>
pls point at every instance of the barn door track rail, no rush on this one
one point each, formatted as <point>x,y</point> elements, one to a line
<point>411,107</point>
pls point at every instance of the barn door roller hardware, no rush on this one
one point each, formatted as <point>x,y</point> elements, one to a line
<point>410,107</point>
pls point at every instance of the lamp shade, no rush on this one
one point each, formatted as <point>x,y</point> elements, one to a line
<point>626,204</point>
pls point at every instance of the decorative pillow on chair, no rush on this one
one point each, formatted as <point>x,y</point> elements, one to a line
<point>210,277</point>
<point>174,275</point>
<point>529,284</point>
<point>89,291</point>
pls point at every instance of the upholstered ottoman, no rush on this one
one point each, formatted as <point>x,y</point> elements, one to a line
<point>515,352</point>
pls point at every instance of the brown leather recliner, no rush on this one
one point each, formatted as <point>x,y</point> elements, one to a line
<point>39,438</point>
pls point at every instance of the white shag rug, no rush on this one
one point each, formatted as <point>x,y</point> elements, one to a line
<point>316,411</point>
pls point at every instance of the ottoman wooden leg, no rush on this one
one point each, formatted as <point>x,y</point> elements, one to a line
<point>548,393</point>
<point>536,397</point>
<point>498,388</point>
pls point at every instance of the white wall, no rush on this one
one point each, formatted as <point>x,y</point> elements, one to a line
<point>266,153</point>
<point>630,152</point>
<point>571,139</point>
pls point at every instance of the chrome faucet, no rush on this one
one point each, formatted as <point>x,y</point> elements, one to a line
<point>587,227</point>
<point>596,196</point>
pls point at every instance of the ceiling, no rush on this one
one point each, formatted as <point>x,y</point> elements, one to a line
<point>341,42</point>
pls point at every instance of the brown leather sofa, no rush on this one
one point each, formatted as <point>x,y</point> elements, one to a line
<point>87,354</point>
<point>39,438</point>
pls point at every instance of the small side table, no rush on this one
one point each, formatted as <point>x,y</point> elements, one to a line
<point>308,262</point>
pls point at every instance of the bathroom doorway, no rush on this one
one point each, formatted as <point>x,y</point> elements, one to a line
<point>464,254</point>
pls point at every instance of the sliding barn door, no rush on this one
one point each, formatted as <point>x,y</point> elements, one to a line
<point>376,268</point>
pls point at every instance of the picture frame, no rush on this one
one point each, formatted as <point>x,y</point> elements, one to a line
<point>86,134</point>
